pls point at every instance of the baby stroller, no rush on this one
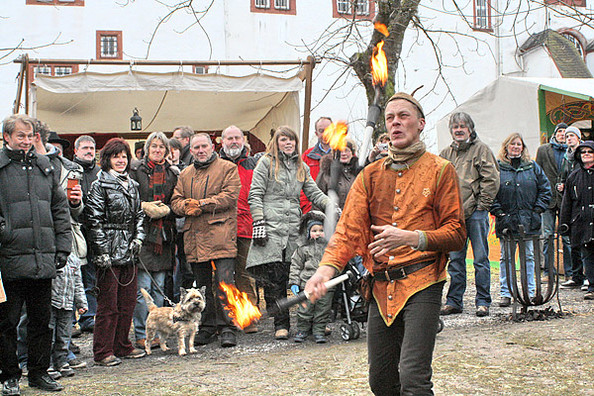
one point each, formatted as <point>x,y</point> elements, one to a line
<point>348,304</point>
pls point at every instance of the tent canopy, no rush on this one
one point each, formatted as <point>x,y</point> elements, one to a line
<point>96,102</point>
<point>530,106</point>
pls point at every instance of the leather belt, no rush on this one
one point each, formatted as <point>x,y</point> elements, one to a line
<point>400,273</point>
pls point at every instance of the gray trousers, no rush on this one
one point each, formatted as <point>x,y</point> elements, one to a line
<point>61,325</point>
<point>400,355</point>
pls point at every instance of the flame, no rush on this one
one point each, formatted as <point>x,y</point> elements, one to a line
<point>379,65</point>
<point>239,307</point>
<point>380,27</point>
<point>335,135</point>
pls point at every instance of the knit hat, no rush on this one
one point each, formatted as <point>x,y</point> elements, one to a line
<point>576,131</point>
<point>409,98</point>
<point>560,125</point>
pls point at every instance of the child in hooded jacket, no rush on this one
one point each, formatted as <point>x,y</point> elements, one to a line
<point>311,318</point>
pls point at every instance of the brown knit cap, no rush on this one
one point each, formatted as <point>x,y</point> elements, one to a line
<point>409,98</point>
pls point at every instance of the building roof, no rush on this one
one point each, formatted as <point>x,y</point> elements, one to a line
<point>566,57</point>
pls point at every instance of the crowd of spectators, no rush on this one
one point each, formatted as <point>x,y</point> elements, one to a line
<point>78,239</point>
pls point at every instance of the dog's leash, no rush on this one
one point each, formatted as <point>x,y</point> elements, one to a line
<point>171,303</point>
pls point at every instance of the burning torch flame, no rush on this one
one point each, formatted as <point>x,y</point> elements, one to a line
<point>379,65</point>
<point>380,27</point>
<point>240,309</point>
<point>335,135</point>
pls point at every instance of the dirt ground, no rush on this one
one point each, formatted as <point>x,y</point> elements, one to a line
<point>473,356</point>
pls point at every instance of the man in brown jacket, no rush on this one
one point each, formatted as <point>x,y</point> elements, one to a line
<point>402,215</point>
<point>206,193</point>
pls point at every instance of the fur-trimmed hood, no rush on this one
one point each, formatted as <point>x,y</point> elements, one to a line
<point>312,215</point>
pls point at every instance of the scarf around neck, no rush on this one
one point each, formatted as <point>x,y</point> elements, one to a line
<point>205,164</point>
<point>157,179</point>
<point>406,156</point>
<point>122,178</point>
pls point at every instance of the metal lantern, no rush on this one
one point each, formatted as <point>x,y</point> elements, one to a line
<point>135,121</point>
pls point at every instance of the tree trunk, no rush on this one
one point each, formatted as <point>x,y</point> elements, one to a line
<point>396,15</point>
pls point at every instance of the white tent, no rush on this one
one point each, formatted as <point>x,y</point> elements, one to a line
<point>95,103</point>
<point>529,106</point>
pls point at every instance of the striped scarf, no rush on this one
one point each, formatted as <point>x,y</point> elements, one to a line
<point>157,181</point>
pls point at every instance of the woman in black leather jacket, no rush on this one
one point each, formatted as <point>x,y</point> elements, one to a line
<point>115,221</point>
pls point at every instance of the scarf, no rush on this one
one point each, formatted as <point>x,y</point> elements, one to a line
<point>205,164</point>
<point>87,165</point>
<point>157,176</point>
<point>122,178</point>
<point>404,157</point>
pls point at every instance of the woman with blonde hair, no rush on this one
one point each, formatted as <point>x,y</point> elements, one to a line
<point>524,193</point>
<point>277,182</point>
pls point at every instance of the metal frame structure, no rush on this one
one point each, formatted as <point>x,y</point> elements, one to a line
<point>306,74</point>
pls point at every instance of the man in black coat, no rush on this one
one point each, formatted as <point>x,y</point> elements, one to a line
<point>35,240</point>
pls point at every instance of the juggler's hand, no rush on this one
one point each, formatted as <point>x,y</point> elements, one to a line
<point>388,238</point>
<point>315,287</point>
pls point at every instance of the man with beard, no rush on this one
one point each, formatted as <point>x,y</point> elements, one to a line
<point>84,155</point>
<point>206,193</point>
<point>234,150</point>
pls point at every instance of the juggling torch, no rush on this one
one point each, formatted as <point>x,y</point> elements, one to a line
<point>286,303</point>
<point>335,135</point>
<point>379,72</point>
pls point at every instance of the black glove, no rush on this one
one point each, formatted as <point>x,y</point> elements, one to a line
<point>60,259</point>
<point>135,247</point>
<point>259,235</point>
<point>102,261</point>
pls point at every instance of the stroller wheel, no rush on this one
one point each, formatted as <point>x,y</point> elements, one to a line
<point>346,331</point>
<point>356,330</point>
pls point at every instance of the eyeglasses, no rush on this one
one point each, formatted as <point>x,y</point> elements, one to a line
<point>587,152</point>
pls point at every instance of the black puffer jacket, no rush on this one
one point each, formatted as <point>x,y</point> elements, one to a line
<point>577,208</point>
<point>35,211</point>
<point>152,261</point>
<point>114,218</point>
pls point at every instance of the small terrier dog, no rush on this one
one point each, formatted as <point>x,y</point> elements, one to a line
<point>182,319</point>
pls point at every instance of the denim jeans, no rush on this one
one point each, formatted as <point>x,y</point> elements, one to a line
<point>154,289</point>
<point>61,324</point>
<point>549,218</point>
<point>588,260</point>
<point>400,355</point>
<point>477,228</point>
<point>505,292</point>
